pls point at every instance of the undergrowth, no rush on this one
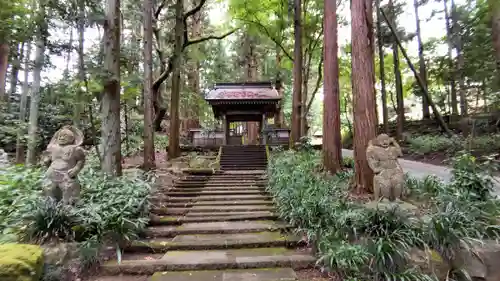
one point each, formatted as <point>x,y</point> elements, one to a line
<point>111,210</point>
<point>480,145</point>
<point>360,243</point>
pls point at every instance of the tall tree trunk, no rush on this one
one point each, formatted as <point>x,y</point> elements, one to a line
<point>495,32</point>
<point>426,114</point>
<point>451,71</point>
<point>70,49</point>
<point>279,86</point>
<point>460,59</point>
<point>36,90</point>
<point>4,64</point>
<point>110,103</point>
<point>297,73</point>
<point>365,121</point>
<point>22,106</point>
<point>251,74</point>
<point>398,81</point>
<point>381,56</point>
<point>332,152</point>
<point>149,150</point>
<point>16,64</point>
<point>174,149</point>
<point>81,63</point>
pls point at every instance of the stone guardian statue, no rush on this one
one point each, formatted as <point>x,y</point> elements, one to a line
<point>65,159</point>
<point>382,154</point>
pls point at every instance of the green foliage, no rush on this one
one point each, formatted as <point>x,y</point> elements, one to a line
<point>428,144</point>
<point>110,210</point>
<point>360,243</point>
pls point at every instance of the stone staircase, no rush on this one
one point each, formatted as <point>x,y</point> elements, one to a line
<point>219,227</point>
<point>243,157</point>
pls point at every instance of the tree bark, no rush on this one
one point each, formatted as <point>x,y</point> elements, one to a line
<point>36,90</point>
<point>174,149</point>
<point>365,121</point>
<point>460,59</point>
<point>149,150</point>
<point>16,65</point>
<point>110,102</point>
<point>495,32</point>
<point>400,109</point>
<point>383,91</point>
<point>4,64</point>
<point>251,74</point>
<point>451,71</point>
<point>332,152</point>
<point>77,118</point>
<point>279,87</point>
<point>297,74</point>
<point>22,107</point>
<point>426,114</point>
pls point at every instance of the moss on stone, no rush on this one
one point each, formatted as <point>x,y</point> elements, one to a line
<point>21,262</point>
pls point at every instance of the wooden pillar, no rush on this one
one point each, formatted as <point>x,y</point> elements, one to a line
<point>225,128</point>
<point>263,139</point>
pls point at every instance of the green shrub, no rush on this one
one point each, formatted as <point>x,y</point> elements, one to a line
<point>361,243</point>
<point>428,144</point>
<point>110,209</point>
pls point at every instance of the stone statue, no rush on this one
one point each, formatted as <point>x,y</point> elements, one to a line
<point>4,158</point>
<point>382,154</point>
<point>65,158</point>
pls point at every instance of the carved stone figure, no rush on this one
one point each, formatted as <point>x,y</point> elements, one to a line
<point>64,158</point>
<point>4,158</point>
<point>382,155</point>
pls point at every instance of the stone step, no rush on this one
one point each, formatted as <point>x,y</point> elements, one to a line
<point>220,198</point>
<point>228,214</point>
<point>186,193</point>
<point>210,260</point>
<point>215,188</point>
<point>220,183</point>
<point>214,242</point>
<point>177,220</point>
<point>221,209</point>
<point>260,274</point>
<point>219,203</point>
<point>227,227</point>
<point>240,168</point>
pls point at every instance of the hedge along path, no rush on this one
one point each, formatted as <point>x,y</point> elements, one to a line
<point>217,227</point>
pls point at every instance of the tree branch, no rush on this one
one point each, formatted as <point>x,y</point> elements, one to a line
<point>199,40</point>
<point>268,34</point>
<point>165,74</point>
<point>318,83</point>
<point>158,10</point>
<point>195,9</point>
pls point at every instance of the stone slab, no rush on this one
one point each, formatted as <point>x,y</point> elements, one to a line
<point>236,202</point>
<point>231,238</point>
<point>298,261</point>
<point>235,213</point>
<point>176,220</point>
<point>220,198</point>
<point>227,225</point>
<point>227,208</point>
<point>223,227</point>
<point>261,274</point>
<point>229,255</point>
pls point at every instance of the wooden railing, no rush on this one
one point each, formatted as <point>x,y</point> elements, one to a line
<point>215,139</point>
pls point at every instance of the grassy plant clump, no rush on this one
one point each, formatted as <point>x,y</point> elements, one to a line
<point>110,209</point>
<point>358,242</point>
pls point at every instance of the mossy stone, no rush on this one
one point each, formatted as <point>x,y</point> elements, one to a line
<point>21,262</point>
